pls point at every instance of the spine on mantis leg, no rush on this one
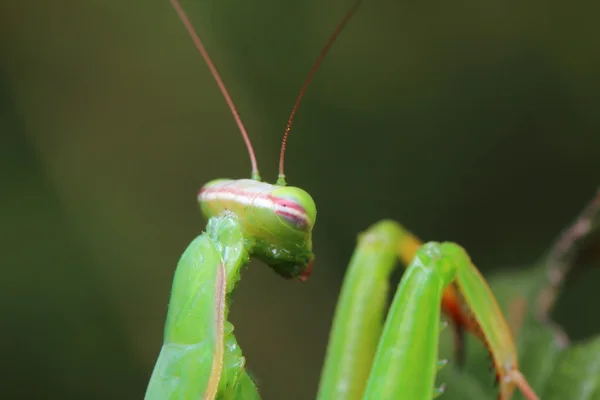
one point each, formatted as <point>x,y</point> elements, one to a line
<point>406,362</point>
<point>200,358</point>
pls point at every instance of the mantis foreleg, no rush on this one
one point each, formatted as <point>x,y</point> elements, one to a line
<point>200,358</point>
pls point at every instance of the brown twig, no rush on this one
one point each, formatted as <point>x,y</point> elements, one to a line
<point>565,254</point>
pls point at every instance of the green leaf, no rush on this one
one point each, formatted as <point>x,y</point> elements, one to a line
<point>577,374</point>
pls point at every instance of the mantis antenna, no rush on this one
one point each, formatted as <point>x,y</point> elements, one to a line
<point>334,35</point>
<point>188,25</point>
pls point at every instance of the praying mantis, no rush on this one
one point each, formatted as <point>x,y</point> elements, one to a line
<point>366,357</point>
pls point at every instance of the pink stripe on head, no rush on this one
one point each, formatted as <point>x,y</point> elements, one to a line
<point>289,204</point>
<point>285,207</point>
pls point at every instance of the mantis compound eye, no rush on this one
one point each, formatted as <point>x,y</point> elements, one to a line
<point>295,208</point>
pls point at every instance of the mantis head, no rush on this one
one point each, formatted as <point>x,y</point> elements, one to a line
<point>276,221</point>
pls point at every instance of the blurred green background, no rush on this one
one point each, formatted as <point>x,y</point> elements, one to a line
<point>475,122</point>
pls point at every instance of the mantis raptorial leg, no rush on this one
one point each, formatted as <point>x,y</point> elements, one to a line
<point>366,360</point>
<point>200,355</point>
<point>247,218</point>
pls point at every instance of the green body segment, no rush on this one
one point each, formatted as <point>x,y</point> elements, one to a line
<point>200,358</point>
<point>187,359</point>
<point>406,362</point>
<point>495,329</point>
<point>360,313</point>
<point>481,302</point>
<point>276,221</point>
